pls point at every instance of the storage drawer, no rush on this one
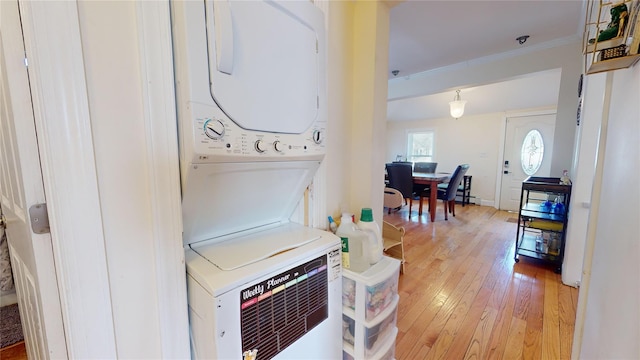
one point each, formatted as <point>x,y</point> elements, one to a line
<point>365,295</point>
<point>367,337</point>
<point>387,350</point>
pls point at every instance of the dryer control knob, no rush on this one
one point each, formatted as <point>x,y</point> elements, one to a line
<point>260,146</point>
<point>277,146</point>
<point>214,128</point>
<point>318,136</point>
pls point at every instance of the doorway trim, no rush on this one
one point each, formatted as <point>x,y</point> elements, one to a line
<point>53,45</point>
<point>158,86</point>
<point>62,116</point>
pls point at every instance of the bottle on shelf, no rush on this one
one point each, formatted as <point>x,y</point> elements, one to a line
<point>369,225</point>
<point>332,225</point>
<point>557,207</point>
<point>554,244</point>
<point>354,240</point>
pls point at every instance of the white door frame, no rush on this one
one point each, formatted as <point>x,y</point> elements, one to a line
<point>503,134</point>
<point>56,70</point>
<point>158,85</point>
<point>59,91</point>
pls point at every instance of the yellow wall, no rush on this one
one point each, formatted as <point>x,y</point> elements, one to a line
<point>358,38</point>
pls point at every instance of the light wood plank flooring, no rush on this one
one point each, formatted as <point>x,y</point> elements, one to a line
<point>462,295</point>
<point>16,351</point>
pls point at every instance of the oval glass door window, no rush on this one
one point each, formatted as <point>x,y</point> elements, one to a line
<point>532,152</point>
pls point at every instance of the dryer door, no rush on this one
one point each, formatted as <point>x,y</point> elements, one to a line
<point>264,62</point>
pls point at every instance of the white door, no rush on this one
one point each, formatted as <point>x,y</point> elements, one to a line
<point>21,188</point>
<point>513,171</point>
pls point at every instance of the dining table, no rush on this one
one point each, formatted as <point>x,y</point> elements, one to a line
<point>432,180</point>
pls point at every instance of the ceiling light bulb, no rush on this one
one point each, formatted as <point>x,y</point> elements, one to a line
<point>456,106</point>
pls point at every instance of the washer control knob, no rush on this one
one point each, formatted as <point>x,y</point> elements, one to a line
<point>260,146</point>
<point>277,146</point>
<point>214,129</point>
<point>318,136</point>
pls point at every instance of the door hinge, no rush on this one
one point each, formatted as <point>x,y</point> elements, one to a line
<point>26,62</point>
<point>39,218</point>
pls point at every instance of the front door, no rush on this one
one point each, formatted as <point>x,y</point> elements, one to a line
<point>524,159</point>
<point>21,190</point>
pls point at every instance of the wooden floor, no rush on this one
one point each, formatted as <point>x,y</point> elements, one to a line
<point>16,351</point>
<point>462,295</point>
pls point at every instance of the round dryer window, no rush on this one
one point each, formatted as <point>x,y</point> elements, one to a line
<point>265,76</point>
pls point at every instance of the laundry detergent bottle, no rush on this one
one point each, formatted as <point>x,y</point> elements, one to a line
<point>371,227</point>
<point>354,253</point>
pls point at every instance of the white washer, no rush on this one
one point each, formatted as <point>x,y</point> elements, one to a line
<point>250,89</point>
<point>286,306</point>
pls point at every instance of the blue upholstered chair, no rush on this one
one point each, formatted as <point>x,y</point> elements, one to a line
<point>448,194</point>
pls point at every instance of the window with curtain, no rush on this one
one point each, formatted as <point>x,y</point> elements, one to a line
<point>420,145</point>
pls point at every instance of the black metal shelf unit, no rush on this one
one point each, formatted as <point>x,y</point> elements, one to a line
<point>542,220</point>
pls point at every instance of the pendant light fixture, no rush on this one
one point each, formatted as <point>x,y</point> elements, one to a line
<point>457,106</point>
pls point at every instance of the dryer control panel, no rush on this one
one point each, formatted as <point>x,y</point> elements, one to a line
<point>215,137</point>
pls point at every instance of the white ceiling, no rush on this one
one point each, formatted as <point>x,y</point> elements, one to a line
<point>509,95</point>
<point>428,34</point>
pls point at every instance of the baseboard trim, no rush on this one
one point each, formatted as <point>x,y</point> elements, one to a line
<point>487,203</point>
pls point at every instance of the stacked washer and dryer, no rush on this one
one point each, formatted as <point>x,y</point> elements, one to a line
<point>251,97</point>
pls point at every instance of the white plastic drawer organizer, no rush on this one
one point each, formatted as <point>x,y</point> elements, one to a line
<point>369,310</point>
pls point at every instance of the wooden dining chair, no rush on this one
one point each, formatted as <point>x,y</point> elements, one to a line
<point>448,195</point>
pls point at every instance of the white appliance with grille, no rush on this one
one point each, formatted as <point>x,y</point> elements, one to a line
<point>250,82</point>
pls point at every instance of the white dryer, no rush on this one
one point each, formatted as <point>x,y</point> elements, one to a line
<point>250,90</point>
